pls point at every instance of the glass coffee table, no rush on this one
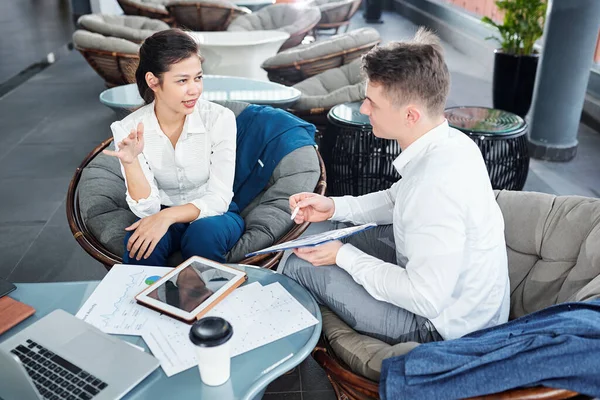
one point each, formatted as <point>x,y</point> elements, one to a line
<point>251,372</point>
<point>124,99</point>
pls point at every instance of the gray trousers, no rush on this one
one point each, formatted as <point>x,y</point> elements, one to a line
<point>333,287</point>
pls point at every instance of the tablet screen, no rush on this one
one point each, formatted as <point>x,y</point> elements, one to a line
<point>192,286</point>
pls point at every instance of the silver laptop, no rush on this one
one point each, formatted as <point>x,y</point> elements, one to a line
<point>62,357</point>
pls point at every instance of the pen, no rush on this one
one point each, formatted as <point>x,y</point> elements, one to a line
<point>295,212</point>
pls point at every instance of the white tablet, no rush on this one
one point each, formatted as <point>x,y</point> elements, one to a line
<point>191,289</point>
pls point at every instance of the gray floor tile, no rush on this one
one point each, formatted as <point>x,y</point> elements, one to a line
<point>30,30</point>
<point>41,160</point>
<point>313,377</point>
<point>55,256</point>
<point>286,383</point>
<point>283,396</point>
<point>27,200</point>
<point>320,395</point>
<point>15,240</point>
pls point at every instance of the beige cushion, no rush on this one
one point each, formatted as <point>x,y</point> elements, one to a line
<point>332,87</point>
<point>553,246</point>
<point>159,5</point>
<point>281,17</point>
<point>322,48</point>
<point>129,27</point>
<point>89,40</point>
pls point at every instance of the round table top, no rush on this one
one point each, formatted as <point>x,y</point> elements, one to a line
<point>251,372</point>
<point>349,114</point>
<point>238,38</point>
<point>216,88</point>
<point>485,121</point>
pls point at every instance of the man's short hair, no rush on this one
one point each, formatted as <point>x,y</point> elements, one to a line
<point>413,70</point>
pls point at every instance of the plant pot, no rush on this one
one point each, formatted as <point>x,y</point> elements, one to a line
<point>514,79</point>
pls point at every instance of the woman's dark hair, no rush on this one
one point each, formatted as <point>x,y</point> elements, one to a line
<point>158,53</point>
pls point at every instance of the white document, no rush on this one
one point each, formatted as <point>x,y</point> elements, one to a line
<point>168,338</point>
<point>258,314</point>
<point>112,307</point>
<point>316,239</point>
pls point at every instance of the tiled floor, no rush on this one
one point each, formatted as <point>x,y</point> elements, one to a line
<point>51,122</point>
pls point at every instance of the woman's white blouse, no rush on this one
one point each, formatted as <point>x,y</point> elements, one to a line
<point>199,170</point>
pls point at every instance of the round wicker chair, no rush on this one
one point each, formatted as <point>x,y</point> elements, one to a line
<point>154,9</point>
<point>100,252</point>
<point>129,27</point>
<point>206,15</point>
<point>296,20</point>
<point>538,280</point>
<point>299,63</point>
<point>323,91</point>
<point>114,59</point>
<point>336,13</point>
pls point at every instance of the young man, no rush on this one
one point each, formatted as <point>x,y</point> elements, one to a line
<point>436,266</point>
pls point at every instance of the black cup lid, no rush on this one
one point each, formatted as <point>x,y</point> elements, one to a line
<point>210,332</point>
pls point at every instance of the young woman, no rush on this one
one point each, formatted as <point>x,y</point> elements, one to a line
<point>177,155</point>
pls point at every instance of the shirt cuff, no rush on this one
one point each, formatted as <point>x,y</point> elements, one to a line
<point>346,256</point>
<point>341,210</point>
<point>143,207</point>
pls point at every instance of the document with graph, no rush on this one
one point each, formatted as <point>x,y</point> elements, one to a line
<point>112,307</point>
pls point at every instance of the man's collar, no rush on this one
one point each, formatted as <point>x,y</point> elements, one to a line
<point>417,147</point>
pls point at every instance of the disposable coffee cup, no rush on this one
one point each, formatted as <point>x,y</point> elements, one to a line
<point>211,337</point>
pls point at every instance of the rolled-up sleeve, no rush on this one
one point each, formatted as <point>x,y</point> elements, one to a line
<point>142,207</point>
<point>219,189</point>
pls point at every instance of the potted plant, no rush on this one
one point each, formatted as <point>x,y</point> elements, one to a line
<point>515,62</point>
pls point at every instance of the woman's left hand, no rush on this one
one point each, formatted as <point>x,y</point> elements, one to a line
<point>148,232</point>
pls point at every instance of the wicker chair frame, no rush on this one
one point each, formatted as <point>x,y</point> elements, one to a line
<point>290,74</point>
<point>114,67</point>
<point>337,17</point>
<point>204,16</point>
<point>133,8</point>
<point>99,252</point>
<point>297,37</point>
<point>350,386</point>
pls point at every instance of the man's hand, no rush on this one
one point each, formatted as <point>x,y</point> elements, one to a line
<point>324,254</point>
<point>312,207</point>
<point>148,232</point>
<point>130,147</point>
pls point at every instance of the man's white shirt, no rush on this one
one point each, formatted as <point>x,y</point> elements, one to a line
<point>448,233</point>
<point>199,170</point>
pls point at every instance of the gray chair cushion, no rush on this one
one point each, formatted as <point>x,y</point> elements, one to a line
<point>89,40</point>
<point>553,257</point>
<point>106,213</point>
<point>322,48</point>
<point>159,5</point>
<point>282,17</point>
<point>332,87</point>
<point>129,27</point>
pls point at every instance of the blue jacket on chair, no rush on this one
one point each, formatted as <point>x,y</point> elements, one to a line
<point>264,136</point>
<point>557,347</point>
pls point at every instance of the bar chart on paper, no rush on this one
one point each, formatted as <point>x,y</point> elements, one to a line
<point>112,307</point>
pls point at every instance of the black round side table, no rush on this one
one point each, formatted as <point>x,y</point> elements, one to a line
<point>501,137</point>
<point>356,161</point>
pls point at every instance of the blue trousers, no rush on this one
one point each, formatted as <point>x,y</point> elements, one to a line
<point>210,237</point>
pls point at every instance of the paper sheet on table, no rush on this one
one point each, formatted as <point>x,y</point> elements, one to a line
<point>112,307</point>
<point>168,338</point>
<point>259,315</point>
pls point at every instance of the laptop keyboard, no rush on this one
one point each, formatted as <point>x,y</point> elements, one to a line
<point>55,377</point>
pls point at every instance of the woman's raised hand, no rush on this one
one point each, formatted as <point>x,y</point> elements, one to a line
<point>312,207</point>
<point>130,147</point>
